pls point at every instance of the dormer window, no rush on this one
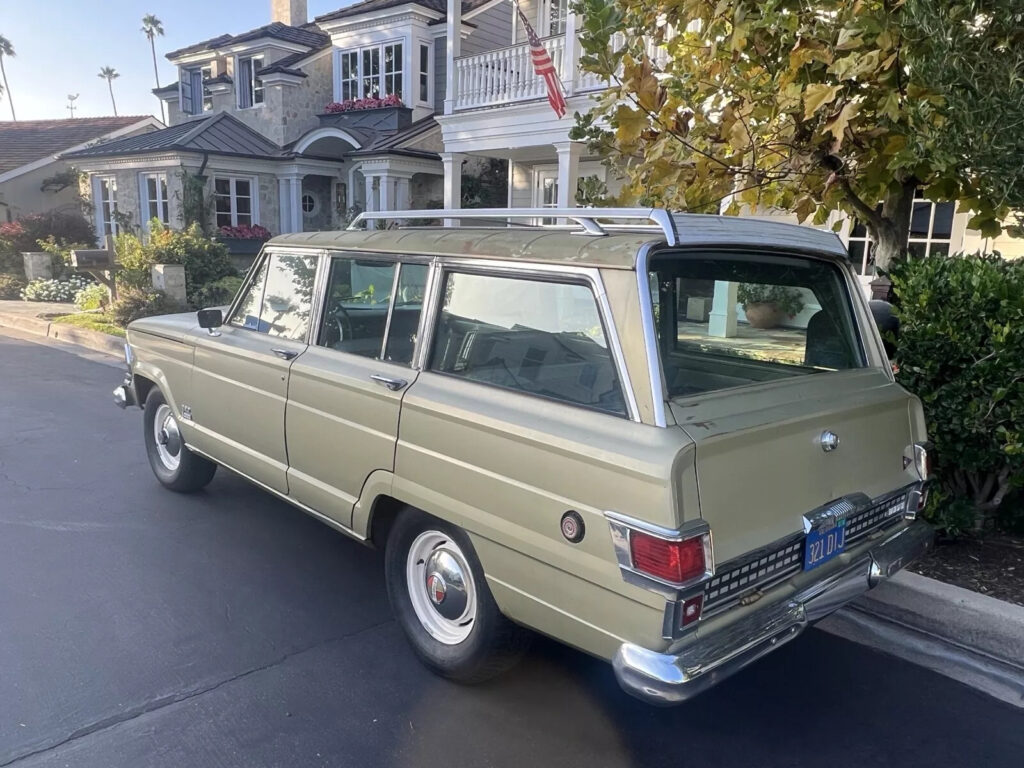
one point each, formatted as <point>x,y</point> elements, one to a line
<point>250,87</point>
<point>372,72</point>
<point>194,96</point>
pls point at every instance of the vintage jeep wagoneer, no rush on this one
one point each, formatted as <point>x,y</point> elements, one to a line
<point>582,428</point>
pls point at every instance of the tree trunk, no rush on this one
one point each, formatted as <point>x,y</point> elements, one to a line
<point>7,89</point>
<point>891,231</point>
<point>156,76</point>
<point>110,85</point>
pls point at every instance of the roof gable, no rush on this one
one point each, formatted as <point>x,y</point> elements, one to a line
<point>308,35</point>
<point>369,6</point>
<point>27,141</point>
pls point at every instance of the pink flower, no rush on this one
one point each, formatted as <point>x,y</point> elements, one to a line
<point>246,232</point>
<point>370,102</point>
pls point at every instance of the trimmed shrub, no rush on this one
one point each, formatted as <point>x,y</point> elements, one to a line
<point>961,350</point>
<point>133,304</point>
<point>11,286</point>
<point>54,290</point>
<point>205,260</point>
<point>216,293</point>
<point>93,296</point>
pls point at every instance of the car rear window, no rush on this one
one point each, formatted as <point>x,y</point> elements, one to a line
<point>733,319</point>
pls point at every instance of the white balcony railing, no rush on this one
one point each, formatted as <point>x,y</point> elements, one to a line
<point>503,75</point>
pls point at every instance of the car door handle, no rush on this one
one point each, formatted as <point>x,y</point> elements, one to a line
<point>287,354</point>
<point>386,381</point>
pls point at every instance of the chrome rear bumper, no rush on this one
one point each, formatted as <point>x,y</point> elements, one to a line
<point>665,679</point>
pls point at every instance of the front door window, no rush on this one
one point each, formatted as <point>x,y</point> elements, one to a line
<point>279,298</point>
<point>546,191</point>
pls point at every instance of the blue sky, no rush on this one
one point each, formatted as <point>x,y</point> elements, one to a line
<point>60,46</point>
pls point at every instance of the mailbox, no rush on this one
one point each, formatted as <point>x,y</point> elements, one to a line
<point>92,259</point>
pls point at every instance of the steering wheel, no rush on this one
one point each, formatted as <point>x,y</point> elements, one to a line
<point>343,321</point>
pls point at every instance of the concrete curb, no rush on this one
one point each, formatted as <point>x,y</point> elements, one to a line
<point>101,342</point>
<point>965,635</point>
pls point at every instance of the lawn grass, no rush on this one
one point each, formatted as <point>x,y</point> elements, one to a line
<point>94,321</point>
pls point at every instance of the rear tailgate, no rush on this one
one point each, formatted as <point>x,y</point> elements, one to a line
<point>760,462</point>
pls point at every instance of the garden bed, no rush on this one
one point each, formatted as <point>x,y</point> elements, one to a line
<point>992,565</point>
<point>93,321</point>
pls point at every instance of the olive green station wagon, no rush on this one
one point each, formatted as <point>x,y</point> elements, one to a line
<point>561,420</point>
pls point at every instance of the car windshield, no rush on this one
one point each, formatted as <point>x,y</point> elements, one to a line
<point>733,319</point>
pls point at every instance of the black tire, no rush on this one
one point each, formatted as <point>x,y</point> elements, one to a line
<point>192,472</point>
<point>494,643</point>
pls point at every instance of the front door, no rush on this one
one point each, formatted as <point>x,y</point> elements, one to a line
<point>545,191</point>
<point>240,374</point>
<point>346,390</point>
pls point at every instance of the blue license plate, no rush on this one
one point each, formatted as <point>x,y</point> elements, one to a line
<point>822,546</point>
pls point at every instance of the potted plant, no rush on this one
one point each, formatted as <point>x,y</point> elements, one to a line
<point>244,240</point>
<point>766,305</point>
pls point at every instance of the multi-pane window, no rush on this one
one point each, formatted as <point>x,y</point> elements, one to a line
<point>539,337</point>
<point>424,94</point>
<point>105,197</point>
<point>194,97</point>
<point>555,18</point>
<point>233,201</point>
<point>931,233</point>
<point>349,75</point>
<point>249,86</point>
<point>372,72</point>
<point>279,299</point>
<point>153,200</point>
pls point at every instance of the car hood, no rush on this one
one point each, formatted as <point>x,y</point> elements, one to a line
<point>177,327</point>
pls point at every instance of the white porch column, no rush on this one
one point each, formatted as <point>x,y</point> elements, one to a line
<point>284,218</point>
<point>571,55</point>
<point>402,198</point>
<point>722,321</point>
<point>568,172</point>
<point>453,32</point>
<point>387,194</point>
<point>452,162</point>
<point>295,200</point>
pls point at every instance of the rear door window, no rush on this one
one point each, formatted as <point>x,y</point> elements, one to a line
<point>538,337</point>
<point>726,320</point>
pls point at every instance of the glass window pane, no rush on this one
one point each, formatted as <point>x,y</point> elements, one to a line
<point>920,219</point>
<point>288,297</point>
<point>222,186</point>
<point>536,337</point>
<point>918,249</point>
<point>856,250</point>
<point>942,228</point>
<point>405,313</point>
<point>243,187</point>
<point>356,307</point>
<point>243,205</point>
<point>247,315</point>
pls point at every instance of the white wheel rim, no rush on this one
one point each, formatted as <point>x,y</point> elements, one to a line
<point>167,437</point>
<point>441,587</point>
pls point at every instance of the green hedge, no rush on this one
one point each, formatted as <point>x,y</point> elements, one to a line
<point>961,350</point>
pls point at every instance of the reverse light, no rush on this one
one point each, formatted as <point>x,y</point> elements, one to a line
<point>923,460</point>
<point>674,561</point>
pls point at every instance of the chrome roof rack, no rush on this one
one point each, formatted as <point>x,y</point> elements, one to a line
<point>586,219</point>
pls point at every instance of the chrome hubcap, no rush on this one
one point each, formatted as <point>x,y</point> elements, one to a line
<point>441,587</point>
<point>168,438</point>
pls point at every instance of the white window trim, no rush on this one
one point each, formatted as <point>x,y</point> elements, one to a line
<point>97,199</point>
<point>144,200</point>
<point>254,190</point>
<point>252,85</point>
<point>380,45</point>
<point>956,235</point>
<point>429,100</point>
<point>544,9</point>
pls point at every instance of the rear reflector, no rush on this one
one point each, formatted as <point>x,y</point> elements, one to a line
<point>692,608</point>
<point>676,562</point>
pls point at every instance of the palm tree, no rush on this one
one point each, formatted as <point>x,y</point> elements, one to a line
<point>152,26</point>
<point>108,74</point>
<point>6,49</point>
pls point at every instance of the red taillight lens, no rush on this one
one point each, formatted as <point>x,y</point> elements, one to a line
<point>673,561</point>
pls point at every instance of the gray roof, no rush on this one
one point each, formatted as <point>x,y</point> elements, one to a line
<point>26,141</point>
<point>367,6</point>
<point>308,35</point>
<point>219,134</point>
<point>618,249</point>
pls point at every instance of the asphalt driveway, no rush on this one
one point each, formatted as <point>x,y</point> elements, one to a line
<point>143,628</point>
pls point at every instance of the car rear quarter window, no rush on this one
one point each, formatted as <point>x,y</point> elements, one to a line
<point>539,337</point>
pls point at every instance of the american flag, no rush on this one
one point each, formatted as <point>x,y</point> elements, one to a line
<point>543,66</point>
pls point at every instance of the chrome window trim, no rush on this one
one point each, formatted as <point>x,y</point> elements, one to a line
<point>655,373</point>
<point>257,263</point>
<point>323,271</point>
<point>431,306</point>
<point>622,526</point>
<point>588,276</point>
<point>391,310</point>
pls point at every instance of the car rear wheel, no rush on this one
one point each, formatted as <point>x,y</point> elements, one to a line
<point>174,465</point>
<point>441,600</point>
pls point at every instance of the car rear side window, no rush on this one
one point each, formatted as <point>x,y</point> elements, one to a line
<point>534,336</point>
<point>279,299</point>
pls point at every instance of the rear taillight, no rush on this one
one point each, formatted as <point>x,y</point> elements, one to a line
<point>674,561</point>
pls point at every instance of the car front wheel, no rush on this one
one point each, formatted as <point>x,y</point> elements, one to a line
<point>441,600</point>
<point>174,465</point>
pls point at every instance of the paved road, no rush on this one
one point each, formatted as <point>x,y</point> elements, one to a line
<point>139,628</point>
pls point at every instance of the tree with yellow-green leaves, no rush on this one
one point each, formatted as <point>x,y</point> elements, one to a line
<point>812,106</point>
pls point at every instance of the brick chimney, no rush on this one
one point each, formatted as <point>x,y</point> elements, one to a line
<point>290,12</point>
